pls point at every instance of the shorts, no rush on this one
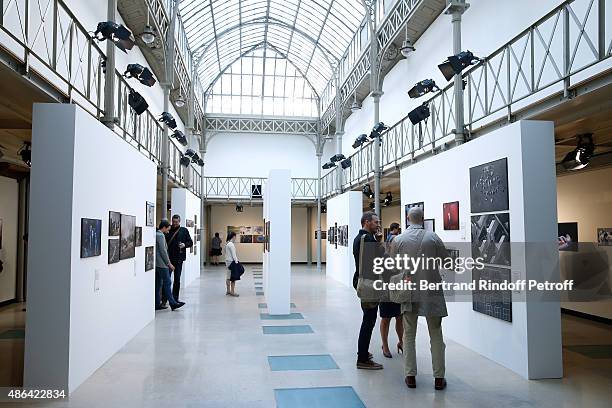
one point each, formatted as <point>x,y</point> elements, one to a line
<point>390,309</point>
<point>215,252</point>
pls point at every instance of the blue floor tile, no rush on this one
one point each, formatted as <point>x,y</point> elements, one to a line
<point>298,329</point>
<point>321,397</point>
<point>264,305</point>
<point>302,362</point>
<point>267,316</point>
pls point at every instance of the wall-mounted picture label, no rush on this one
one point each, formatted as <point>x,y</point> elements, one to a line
<point>567,233</point>
<point>150,214</point>
<point>421,205</point>
<point>491,238</point>
<point>128,237</point>
<point>429,224</point>
<point>114,223</point>
<point>604,236</point>
<point>113,250</point>
<point>450,215</point>
<point>489,187</point>
<point>149,258</point>
<point>91,237</point>
<point>138,234</point>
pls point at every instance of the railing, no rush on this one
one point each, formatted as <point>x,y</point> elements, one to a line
<point>240,188</point>
<point>529,68</point>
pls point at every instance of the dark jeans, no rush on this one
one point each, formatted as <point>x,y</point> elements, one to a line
<point>370,311</point>
<point>162,281</point>
<point>176,284</point>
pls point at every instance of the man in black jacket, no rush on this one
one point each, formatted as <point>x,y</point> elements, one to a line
<point>178,239</point>
<point>372,247</point>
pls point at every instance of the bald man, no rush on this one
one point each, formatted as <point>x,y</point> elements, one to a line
<point>416,242</point>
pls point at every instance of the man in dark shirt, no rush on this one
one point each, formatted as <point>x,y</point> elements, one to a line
<point>178,239</point>
<point>364,254</point>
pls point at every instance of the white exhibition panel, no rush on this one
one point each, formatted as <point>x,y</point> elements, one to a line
<point>9,212</point>
<point>81,169</point>
<point>531,344</point>
<point>344,209</point>
<point>187,205</point>
<point>277,262</point>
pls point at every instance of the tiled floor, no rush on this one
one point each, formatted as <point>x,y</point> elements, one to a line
<point>214,353</point>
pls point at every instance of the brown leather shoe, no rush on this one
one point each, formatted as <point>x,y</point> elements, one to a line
<point>369,365</point>
<point>410,381</point>
<point>440,383</point>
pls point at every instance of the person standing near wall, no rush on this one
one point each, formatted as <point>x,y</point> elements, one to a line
<point>215,249</point>
<point>178,239</point>
<point>230,256</point>
<point>163,266</point>
<point>390,310</point>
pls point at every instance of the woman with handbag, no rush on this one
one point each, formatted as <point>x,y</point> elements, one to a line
<point>390,310</point>
<point>230,257</point>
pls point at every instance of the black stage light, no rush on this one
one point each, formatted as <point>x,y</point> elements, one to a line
<point>377,130</point>
<point>168,119</point>
<point>361,139</point>
<point>137,102</point>
<point>180,137</point>
<point>143,74</point>
<point>323,208</point>
<point>239,208</point>
<point>456,63</point>
<point>419,114</point>
<point>346,163</point>
<point>117,33</point>
<point>337,157</point>
<point>185,161</point>
<point>26,154</point>
<point>579,158</point>
<point>190,152</point>
<point>329,165</point>
<point>367,191</point>
<point>388,199</point>
<point>195,158</point>
<point>200,162</point>
<point>423,87</point>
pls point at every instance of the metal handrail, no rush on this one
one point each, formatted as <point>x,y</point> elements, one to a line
<point>240,188</point>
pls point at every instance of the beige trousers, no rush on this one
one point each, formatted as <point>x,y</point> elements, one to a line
<point>434,325</point>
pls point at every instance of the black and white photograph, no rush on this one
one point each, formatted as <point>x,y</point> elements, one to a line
<point>138,238</point>
<point>489,187</point>
<point>567,233</point>
<point>149,258</point>
<point>91,237</point>
<point>491,238</point>
<point>495,303</point>
<point>128,237</point>
<point>429,224</point>
<point>409,206</point>
<point>150,215</point>
<point>604,236</point>
<point>114,223</point>
<point>113,250</point>
<point>323,235</point>
<point>189,223</point>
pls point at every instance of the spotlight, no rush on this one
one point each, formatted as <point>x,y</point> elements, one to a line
<point>337,157</point>
<point>323,208</point>
<point>185,161</point>
<point>117,33</point>
<point>26,154</point>
<point>180,137</point>
<point>361,139</point>
<point>179,101</point>
<point>168,119</point>
<point>367,191</point>
<point>329,165</point>
<point>388,199</point>
<point>190,153</point>
<point>195,158</point>
<point>423,87</point>
<point>346,163</point>
<point>200,162</point>
<point>419,114</point>
<point>579,158</point>
<point>143,74</point>
<point>239,208</point>
<point>456,63</point>
<point>407,48</point>
<point>137,102</point>
<point>148,35</point>
<point>377,130</point>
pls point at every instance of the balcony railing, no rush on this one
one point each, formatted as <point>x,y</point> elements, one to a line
<point>241,188</point>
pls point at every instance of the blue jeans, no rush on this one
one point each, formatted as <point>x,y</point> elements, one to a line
<point>163,282</point>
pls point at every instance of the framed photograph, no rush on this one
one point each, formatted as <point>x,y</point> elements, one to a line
<point>495,303</point>
<point>91,237</point>
<point>604,236</point>
<point>189,223</point>
<point>138,236</point>
<point>421,205</point>
<point>114,223</point>
<point>150,215</point>
<point>491,238</point>
<point>149,258</point>
<point>113,250</point>
<point>128,237</point>
<point>323,235</point>
<point>450,215</point>
<point>429,224</point>
<point>567,233</point>
<point>246,239</point>
<point>489,187</point>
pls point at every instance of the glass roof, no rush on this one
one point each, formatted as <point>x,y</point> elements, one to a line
<point>311,34</point>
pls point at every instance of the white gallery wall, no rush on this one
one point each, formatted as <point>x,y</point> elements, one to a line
<point>531,344</point>
<point>82,310</point>
<point>187,205</point>
<point>585,197</point>
<point>9,208</point>
<point>344,209</point>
